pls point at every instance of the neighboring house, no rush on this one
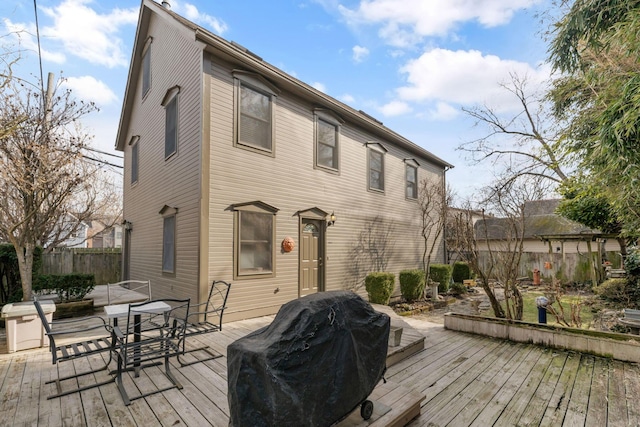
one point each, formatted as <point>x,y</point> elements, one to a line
<point>108,237</point>
<point>235,170</point>
<point>554,243</point>
<point>76,232</point>
<point>548,232</point>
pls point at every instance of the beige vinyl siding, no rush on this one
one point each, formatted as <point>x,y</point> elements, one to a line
<point>175,60</point>
<point>290,183</point>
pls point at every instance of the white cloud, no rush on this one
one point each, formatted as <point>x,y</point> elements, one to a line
<point>192,13</point>
<point>405,22</point>
<point>395,108</point>
<point>443,112</point>
<point>359,53</point>
<point>320,86</point>
<point>347,98</point>
<point>465,77</point>
<point>87,34</point>
<point>88,88</point>
<point>24,35</point>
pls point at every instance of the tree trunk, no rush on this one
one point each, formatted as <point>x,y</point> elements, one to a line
<point>498,311</point>
<point>25,264</point>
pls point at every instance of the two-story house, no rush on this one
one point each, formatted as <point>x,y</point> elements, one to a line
<point>235,170</point>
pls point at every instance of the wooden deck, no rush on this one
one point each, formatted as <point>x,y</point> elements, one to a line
<point>462,380</point>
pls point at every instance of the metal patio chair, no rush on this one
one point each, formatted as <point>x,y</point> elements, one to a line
<point>82,347</point>
<point>205,318</point>
<point>151,335</point>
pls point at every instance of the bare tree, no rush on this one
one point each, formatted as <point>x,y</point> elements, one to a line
<point>462,239</point>
<point>526,144</point>
<point>434,199</point>
<point>493,245</point>
<point>49,186</point>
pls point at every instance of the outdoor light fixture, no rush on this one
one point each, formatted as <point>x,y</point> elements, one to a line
<point>127,225</point>
<point>332,220</point>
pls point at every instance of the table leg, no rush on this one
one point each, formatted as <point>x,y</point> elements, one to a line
<point>136,341</point>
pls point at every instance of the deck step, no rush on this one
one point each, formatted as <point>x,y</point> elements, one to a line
<point>393,406</point>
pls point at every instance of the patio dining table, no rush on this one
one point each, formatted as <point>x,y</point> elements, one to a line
<point>119,310</point>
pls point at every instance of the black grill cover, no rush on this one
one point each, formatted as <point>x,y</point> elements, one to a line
<point>322,355</point>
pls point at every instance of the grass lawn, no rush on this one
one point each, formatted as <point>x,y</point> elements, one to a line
<point>530,310</point>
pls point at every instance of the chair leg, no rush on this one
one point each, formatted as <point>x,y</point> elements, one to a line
<point>123,392</point>
<point>206,349</point>
<point>59,380</point>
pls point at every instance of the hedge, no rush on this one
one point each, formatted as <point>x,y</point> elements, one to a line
<point>412,284</point>
<point>441,273</point>
<point>379,287</point>
<point>461,272</point>
<point>68,287</point>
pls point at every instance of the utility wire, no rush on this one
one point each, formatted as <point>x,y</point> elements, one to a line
<point>35,11</point>
<point>103,152</point>
<point>104,162</point>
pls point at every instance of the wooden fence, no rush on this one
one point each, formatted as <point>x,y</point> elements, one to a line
<point>577,268</point>
<point>105,264</point>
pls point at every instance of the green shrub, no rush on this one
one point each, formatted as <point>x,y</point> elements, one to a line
<point>68,287</point>
<point>460,272</point>
<point>620,291</point>
<point>379,287</point>
<point>632,262</point>
<point>458,288</point>
<point>441,273</point>
<point>412,284</point>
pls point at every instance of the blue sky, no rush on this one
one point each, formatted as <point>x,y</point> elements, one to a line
<point>412,64</point>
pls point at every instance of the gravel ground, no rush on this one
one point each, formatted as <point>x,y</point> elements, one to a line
<point>474,302</point>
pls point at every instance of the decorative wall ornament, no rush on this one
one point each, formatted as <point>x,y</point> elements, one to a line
<point>288,244</point>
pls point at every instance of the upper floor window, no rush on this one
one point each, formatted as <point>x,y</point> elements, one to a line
<point>254,239</point>
<point>411,178</point>
<point>170,103</point>
<point>134,158</point>
<point>168,239</point>
<point>146,67</point>
<point>375,166</point>
<point>327,140</point>
<point>255,112</point>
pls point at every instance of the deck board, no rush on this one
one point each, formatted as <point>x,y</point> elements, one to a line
<point>459,379</point>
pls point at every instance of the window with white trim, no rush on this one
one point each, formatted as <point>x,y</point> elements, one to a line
<point>254,240</point>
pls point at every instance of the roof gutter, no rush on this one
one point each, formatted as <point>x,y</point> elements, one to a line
<point>304,90</point>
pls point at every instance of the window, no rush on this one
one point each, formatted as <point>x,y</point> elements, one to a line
<point>146,67</point>
<point>134,159</point>
<point>170,103</point>
<point>327,139</point>
<point>376,166</point>
<point>254,118</point>
<point>411,178</point>
<point>168,239</point>
<point>254,240</point>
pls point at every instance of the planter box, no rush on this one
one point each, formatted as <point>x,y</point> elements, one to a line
<point>24,328</point>
<point>73,309</point>
<point>607,344</point>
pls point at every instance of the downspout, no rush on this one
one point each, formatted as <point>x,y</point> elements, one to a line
<point>446,214</point>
